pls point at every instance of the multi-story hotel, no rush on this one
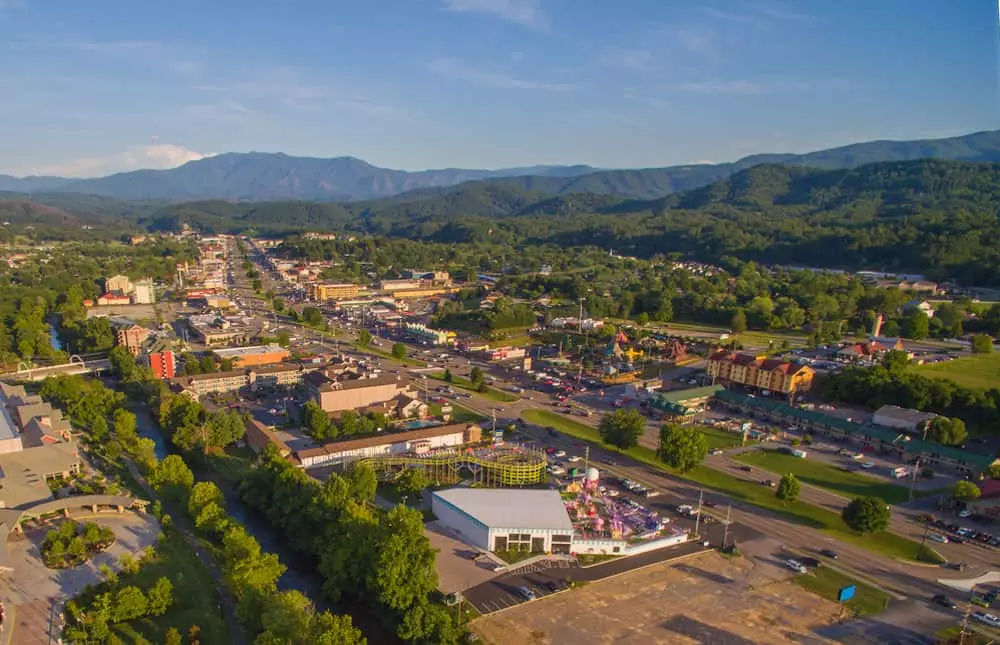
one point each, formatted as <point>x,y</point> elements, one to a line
<point>760,372</point>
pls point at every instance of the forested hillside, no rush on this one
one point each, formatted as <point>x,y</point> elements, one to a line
<point>928,216</point>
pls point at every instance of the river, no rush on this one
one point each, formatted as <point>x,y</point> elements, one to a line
<point>54,339</point>
<point>299,574</point>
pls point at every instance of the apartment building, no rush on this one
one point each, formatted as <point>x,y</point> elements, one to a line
<point>131,338</point>
<point>336,291</point>
<point>334,393</point>
<point>759,372</point>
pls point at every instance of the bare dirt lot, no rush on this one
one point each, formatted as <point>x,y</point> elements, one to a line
<point>705,599</point>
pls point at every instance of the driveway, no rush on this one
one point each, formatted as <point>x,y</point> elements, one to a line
<point>34,593</point>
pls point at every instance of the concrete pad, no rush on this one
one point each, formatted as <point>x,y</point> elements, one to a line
<point>966,584</point>
<point>457,571</point>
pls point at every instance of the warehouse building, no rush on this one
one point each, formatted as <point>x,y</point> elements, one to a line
<point>390,444</point>
<point>503,519</point>
<point>334,393</point>
<point>253,356</point>
<point>893,416</point>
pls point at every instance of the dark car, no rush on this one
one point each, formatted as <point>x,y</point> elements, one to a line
<point>746,469</point>
<point>827,553</point>
<point>555,585</point>
<point>810,563</point>
<point>944,601</point>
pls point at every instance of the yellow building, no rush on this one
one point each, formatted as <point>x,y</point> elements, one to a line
<point>760,372</point>
<point>337,291</point>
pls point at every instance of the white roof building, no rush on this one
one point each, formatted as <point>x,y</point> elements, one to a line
<point>893,416</point>
<point>502,519</point>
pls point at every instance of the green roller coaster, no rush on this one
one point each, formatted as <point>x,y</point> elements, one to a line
<point>490,467</point>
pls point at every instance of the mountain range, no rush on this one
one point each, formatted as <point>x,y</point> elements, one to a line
<point>255,176</point>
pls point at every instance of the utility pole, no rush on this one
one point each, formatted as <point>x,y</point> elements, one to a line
<point>913,476</point>
<point>725,535</point>
<point>697,519</point>
<point>965,625</point>
<point>586,459</point>
<point>923,540</point>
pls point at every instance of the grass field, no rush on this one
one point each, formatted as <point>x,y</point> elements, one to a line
<point>459,414</point>
<point>492,394</point>
<point>821,519</point>
<point>827,583</point>
<point>823,475</point>
<point>720,439</point>
<point>195,601</point>
<point>981,370</point>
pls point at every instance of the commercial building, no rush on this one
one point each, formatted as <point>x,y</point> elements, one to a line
<point>866,434</point>
<point>424,334</point>
<point>253,356</point>
<point>235,380</point>
<point>258,436</point>
<point>397,443</point>
<point>893,416</point>
<point>505,353</point>
<point>161,362</point>
<point>334,291</point>
<point>143,293</point>
<point>759,372</point>
<point>334,394</point>
<point>683,404</point>
<point>118,285</point>
<point>498,519</point>
<point>131,338</point>
<point>214,330</point>
<point>400,285</point>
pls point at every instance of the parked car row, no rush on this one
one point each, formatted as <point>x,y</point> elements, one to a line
<point>951,532</point>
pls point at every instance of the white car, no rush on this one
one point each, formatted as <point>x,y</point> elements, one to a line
<point>795,565</point>
<point>965,513</point>
<point>937,537</point>
<point>557,470</point>
<point>575,458</point>
<point>868,464</point>
<point>989,619</point>
<point>560,453</point>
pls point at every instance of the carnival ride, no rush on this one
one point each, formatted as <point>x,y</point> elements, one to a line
<point>596,515</point>
<point>511,465</point>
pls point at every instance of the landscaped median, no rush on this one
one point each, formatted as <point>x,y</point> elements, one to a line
<point>888,544</point>
<point>824,475</point>
<point>827,583</point>
<point>465,384</point>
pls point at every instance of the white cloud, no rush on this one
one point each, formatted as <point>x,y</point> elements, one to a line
<point>523,12</point>
<point>452,68</point>
<point>155,156</point>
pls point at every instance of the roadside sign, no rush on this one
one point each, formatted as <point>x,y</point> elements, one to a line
<point>846,593</point>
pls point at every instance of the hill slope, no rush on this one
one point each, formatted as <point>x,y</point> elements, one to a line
<point>268,177</point>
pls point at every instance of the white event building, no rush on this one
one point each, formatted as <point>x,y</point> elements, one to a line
<point>501,519</point>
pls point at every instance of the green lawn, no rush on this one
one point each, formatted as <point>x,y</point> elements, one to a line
<point>465,384</point>
<point>981,370</point>
<point>459,414</point>
<point>827,583</point>
<point>824,475</point>
<point>195,600</point>
<point>720,439</point>
<point>821,519</point>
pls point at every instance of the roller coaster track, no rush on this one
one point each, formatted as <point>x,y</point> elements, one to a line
<point>496,467</point>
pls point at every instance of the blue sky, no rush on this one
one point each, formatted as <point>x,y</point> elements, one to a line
<point>88,88</point>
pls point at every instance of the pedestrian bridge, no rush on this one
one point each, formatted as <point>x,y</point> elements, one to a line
<point>76,366</point>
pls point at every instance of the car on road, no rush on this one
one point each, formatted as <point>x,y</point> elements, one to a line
<point>810,563</point>
<point>868,464</point>
<point>990,619</point>
<point>560,453</point>
<point>526,593</point>
<point>828,553</point>
<point>944,601</point>
<point>609,461</point>
<point>746,469</point>
<point>555,585</point>
<point>937,537</point>
<point>717,451</point>
<point>964,513</point>
<point>768,482</point>
<point>795,565</point>
<point>574,458</point>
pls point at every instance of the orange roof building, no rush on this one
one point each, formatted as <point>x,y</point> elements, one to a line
<point>760,372</point>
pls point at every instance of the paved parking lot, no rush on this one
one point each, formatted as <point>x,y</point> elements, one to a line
<point>456,568</point>
<point>703,599</point>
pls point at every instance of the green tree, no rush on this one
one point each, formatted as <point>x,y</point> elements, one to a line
<point>788,488</point>
<point>867,514</point>
<point>412,481</point>
<point>364,338</point>
<point>160,597</point>
<point>896,361</point>
<point>317,422</point>
<point>402,573</point>
<point>947,431</point>
<point>278,304</point>
<point>172,476</point>
<point>173,637</point>
<point>203,494</point>
<point>125,423</point>
<point>476,375</point>
<point>965,491</point>
<point>994,471</point>
<point>130,603</point>
<point>622,428</point>
<point>682,447</point>
<point>448,376</point>
<point>284,339</point>
<point>361,478</point>
<point>398,351</point>
<point>738,323</point>
<point>982,344</point>
<point>429,624</point>
<point>915,324</point>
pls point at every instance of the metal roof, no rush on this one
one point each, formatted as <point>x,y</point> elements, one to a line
<point>507,508</point>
